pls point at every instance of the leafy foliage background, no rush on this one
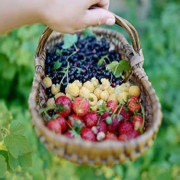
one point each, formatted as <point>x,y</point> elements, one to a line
<point>160,40</point>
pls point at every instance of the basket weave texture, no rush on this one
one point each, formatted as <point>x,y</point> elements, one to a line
<point>106,152</point>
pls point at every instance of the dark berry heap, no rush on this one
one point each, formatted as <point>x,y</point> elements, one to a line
<point>81,62</point>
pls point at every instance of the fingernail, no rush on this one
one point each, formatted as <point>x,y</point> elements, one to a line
<point>110,21</point>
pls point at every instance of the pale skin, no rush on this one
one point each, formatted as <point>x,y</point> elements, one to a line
<point>65,16</point>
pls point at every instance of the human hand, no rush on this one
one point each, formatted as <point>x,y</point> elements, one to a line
<point>68,16</point>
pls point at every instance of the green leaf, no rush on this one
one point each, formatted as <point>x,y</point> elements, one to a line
<point>102,109</point>
<point>17,145</point>
<point>77,123</point>
<point>57,65</point>
<point>5,115</point>
<point>88,32</point>
<point>69,40</point>
<point>60,107</point>
<point>25,160</point>
<point>17,128</point>
<point>75,134</point>
<point>78,70</point>
<point>13,162</point>
<point>58,51</point>
<point>117,68</point>
<point>3,166</point>
<point>100,62</point>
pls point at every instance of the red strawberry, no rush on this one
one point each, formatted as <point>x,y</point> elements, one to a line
<point>75,118</point>
<point>91,119</point>
<point>123,137</point>
<point>64,106</point>
<point>102,127</point>
<point>112,105</point>
<point>125,128</point>
<point>115,123</point>
<point>111,136</point>
<point>105,115</point>
<point>81,106</point>
<point>68,134</point>
<point>87,134</point>
<point>124,113</point>
<point>54,125</point>
<point>131,135</point>
<point>137,122</point>
<point>62,122</point>
<point>134,105</point>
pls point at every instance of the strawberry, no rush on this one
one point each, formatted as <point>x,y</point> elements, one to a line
<point>62,122</point>
<point>87,134</point>
<point>81,106</point>
<point>123,137</point>
<point>111,136</point>
<point>137,122</point>
<point>102,127</point>
<point>91,119</point>
<point>113,126</point>
<point>133,104</point>
<point>124,113</point>
<point>54,125</point>
<point>125,128</point>
<point>64,106</point>
<point>69,134</point>
<point>73,117</point>
<point>112,105</point>
<point>131,135</point>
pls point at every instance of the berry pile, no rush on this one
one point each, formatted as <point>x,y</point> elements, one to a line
<point>87,96</point>
<point>85,59</point>
<point>118,117</point>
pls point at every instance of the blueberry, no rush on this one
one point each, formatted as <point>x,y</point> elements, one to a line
<point>64,64</point>
<point>48,60</point>
<point>47,69</point>
<point>48,91</point>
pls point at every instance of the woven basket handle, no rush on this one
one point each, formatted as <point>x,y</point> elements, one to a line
<point>119,21</point>
<point>131,31</point>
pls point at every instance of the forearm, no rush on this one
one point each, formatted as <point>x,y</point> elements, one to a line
<point>15,13</point>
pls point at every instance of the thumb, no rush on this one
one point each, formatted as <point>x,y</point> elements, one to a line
<point>99,16</point>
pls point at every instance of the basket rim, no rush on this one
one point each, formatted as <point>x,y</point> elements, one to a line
<point>104,144</point>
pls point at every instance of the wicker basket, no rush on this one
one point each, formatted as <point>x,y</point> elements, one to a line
<point>106,152</point>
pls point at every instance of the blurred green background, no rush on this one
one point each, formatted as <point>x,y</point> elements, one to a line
<point>158,24</point>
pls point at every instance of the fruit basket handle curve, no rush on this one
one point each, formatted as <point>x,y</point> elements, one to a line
<point>119,21</point>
